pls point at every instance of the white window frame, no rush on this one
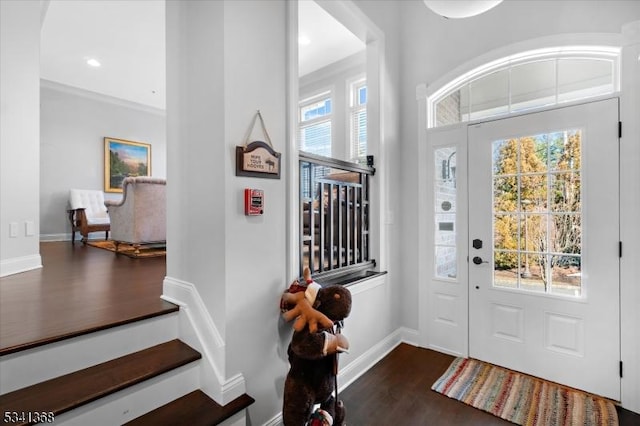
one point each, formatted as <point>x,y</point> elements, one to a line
<point>353,108</point>
<point>609,53</point>
<point>302,124</point>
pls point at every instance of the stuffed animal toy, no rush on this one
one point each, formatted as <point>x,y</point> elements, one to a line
<point>313,352</point>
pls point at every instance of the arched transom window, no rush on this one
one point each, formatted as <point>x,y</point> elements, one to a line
<point>529,80</point>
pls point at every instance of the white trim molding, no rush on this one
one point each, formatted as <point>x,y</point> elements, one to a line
<point>63,88</point>
<point>198,330</point>
<point>20,264</point>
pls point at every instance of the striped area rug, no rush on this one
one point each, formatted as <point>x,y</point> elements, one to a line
<point>522,399</point>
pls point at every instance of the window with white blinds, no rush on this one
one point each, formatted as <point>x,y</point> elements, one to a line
<point>315,124</point>
<point>358,120</point>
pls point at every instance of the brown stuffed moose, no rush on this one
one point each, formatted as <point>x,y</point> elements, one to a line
<point>313,352</point>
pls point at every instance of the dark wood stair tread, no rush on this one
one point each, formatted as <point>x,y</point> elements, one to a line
<point>67,327</point>
<point>193,409</point>
<point>72,390</point>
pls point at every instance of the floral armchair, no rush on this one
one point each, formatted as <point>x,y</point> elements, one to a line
<point>140,217</point>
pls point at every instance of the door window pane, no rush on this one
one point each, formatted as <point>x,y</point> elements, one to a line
<point>537,220</point>
<point>566,275</point>
<point>505,194</point>
<point>565,192</point>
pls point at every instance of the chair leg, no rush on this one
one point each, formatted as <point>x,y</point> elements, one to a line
<point>73,225</point>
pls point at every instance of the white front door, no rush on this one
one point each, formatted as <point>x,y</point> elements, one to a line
<point>544,245</point>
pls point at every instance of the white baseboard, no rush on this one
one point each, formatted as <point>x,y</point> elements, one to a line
<point>17,265</point>
<point>45,238</point>
<point>200,332</point>
<point>274,421</point>
<point>54,237</point>
<point>356,368</point>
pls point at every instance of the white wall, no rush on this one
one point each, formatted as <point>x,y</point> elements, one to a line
<point>73,124</point>
<point>385,15</point>
<point>19,135</point>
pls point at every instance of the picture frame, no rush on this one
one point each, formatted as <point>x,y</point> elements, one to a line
<point>122,159</point>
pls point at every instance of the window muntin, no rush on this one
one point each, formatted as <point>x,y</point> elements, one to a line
<point>315,124</point>
<point>537,213</point>
<point>316,108</point>
<point>524,81</point>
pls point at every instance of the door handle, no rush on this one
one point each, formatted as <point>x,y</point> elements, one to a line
<point>478,260</point>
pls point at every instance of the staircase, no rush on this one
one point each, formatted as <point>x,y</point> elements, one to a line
<point>139,373</point>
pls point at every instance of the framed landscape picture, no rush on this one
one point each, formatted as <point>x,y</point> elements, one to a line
<point>123,159</point>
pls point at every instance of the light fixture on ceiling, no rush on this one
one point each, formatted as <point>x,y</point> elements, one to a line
<point>460,8</point>
<point>93,62</point>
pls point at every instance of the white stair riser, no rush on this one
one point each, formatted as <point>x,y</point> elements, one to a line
<point>35,365</point>
<point>239,419</point>
<point>135,401</point>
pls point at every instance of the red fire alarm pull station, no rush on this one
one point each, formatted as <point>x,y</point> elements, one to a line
<point>253,202</point>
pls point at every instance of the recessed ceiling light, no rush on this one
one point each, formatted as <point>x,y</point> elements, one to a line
<point>303,40</point>
<point>93,62</point>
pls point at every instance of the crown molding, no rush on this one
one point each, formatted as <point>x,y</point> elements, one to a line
<point>87,94</point>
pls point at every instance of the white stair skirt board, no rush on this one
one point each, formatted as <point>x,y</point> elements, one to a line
<point>198,330</point>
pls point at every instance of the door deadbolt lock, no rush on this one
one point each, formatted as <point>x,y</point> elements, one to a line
<point>477,244</point>
<point>478,260</point>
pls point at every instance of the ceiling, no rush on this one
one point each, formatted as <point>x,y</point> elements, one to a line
<point>127,37</point>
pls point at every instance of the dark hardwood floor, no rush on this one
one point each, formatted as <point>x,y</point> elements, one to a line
<point>79,290</point>
<point>397,391</point>
<point>83,289</point>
